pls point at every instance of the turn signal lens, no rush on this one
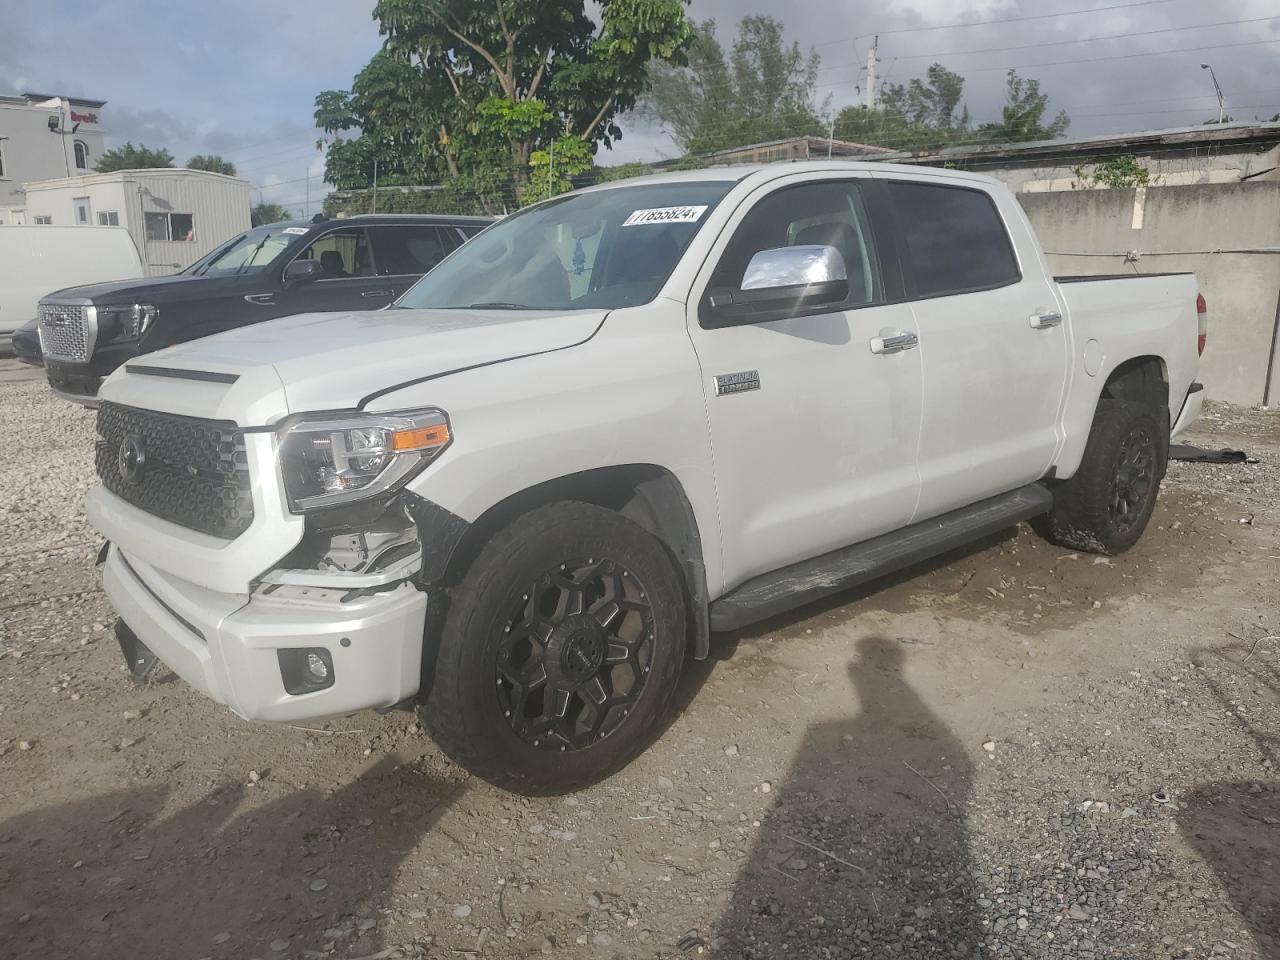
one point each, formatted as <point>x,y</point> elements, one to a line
<point>420,438</point>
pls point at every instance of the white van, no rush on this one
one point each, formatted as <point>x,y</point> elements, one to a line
<point>36,260</point>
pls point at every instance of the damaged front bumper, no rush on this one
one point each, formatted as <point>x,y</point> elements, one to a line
<point>246,651</point>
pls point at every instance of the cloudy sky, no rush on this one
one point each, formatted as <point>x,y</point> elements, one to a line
<point>238,77</point>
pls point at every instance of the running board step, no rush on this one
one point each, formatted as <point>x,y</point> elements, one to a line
<point>782,590</point>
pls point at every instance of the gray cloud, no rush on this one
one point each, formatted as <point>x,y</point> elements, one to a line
<point>1109,95</point>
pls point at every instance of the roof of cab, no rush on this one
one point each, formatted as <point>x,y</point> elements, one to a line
<point>739,172</point>
<point>364,219</point>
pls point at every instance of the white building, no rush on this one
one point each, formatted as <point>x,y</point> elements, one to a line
<point>174,215</point>
<point>44,136</point>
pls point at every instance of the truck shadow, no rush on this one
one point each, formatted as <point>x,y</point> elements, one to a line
<point>119,876</point>
<point>1234,826</point>
<point>866,846</point>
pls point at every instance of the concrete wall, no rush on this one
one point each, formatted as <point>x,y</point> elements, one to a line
<point>32,152</point>
<point>1204,229</point>
<point>1167,167</point>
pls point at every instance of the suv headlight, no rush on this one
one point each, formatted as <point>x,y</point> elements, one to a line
<point>126,321</point>
<point>341,458</point>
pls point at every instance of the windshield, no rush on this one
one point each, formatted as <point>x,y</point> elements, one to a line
<point>600,249</point>
<point>250,253</point>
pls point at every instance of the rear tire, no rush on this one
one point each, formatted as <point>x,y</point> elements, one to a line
<point>560,651</point>
<point>1105,507</point>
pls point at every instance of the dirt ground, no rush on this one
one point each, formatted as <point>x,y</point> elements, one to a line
<point>1016,752</point>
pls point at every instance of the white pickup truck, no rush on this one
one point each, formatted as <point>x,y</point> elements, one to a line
<point>614,423</point>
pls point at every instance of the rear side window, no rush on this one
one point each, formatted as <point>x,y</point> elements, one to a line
<point>956,241</point>
<point>400,250</point>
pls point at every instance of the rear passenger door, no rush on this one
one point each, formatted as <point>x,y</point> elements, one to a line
<point>404,252</point>
<point>994,349</point>
<point>347,280</point>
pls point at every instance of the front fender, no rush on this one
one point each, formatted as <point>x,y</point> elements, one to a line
<point>632,394</point>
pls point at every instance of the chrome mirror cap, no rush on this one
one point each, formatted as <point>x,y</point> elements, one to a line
<point>794,266</point>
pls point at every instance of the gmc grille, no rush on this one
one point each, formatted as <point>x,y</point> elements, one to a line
<point>191,472</point>
<point>64,332</point>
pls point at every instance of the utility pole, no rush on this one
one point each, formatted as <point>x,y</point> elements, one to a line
<point>551,167</point>
<point>374,202</point>
<point>831,135</point>
<point>872,93</point>
<point>306,213</point>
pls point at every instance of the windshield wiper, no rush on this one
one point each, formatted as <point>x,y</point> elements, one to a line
<point>498,305</point>
<point>253,253</point>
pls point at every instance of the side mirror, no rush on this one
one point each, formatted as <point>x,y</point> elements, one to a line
<point>302,270</point>
<point>781,282</point>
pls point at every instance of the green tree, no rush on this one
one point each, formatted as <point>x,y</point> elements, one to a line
<point>1022,119</point>
<point>623,171</point>
<point>764,90</point>
<point>130,157</point>
<point>212,163</point>
<point>924,114</point>
<point>269,213</point>
<point>462,90</point>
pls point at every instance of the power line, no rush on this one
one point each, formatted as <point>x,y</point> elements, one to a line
<point>1059,43</point>
<point>983,23</point>
<point>1060,63</point>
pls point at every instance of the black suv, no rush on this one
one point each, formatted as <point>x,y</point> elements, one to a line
<point>356,263</point>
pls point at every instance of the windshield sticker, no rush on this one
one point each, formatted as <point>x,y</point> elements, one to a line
<point>665,215</point>
<point>295,231</point>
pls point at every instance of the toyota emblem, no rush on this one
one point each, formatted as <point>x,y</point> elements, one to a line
<point>132,458</point>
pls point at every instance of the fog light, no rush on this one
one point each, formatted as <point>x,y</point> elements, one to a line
<point>306,670</point>
<point>317,669</point>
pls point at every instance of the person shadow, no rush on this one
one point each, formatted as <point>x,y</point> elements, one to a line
<point>865,850</point>
<point>1234,825</point>
<point>125,875</point>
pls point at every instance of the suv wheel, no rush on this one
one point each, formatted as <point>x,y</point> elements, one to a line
<point>1105,507</point>
<point>560,651</point>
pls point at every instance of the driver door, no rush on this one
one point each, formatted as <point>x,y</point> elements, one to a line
<point>814,434</point>
<point>347,280</point>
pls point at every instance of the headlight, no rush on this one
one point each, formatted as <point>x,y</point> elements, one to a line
<point>126,321</point>
<point>341,458</point>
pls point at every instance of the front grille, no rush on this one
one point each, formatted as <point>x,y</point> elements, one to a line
<point>64,331</point>
<point>192,472</point>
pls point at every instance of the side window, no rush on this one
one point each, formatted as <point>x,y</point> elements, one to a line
<point>342,254</point>
<point>955,239</point>
<point>410,249</point>
<point>827,214</point>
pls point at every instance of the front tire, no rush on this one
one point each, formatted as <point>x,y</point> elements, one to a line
<point>1105,507</point>
<point>560,651</point>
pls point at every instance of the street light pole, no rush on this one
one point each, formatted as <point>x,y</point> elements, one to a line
<point>1222,110</point>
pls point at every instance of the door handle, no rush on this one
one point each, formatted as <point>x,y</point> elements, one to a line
<point>1043,321</point>
<point>894,343</point>
<point>375,293</point>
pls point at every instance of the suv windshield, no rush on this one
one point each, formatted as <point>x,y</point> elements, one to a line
<point>600,249</point>
<point>250,253</point>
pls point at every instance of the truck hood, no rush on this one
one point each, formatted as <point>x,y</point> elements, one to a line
<point>330,361</point>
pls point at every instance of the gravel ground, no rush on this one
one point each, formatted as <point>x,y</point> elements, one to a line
<point>1014,752</point>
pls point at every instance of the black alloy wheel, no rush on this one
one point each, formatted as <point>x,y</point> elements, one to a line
<point>559,650</point>
<point>1133,479</point>
<point>575,654</point>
